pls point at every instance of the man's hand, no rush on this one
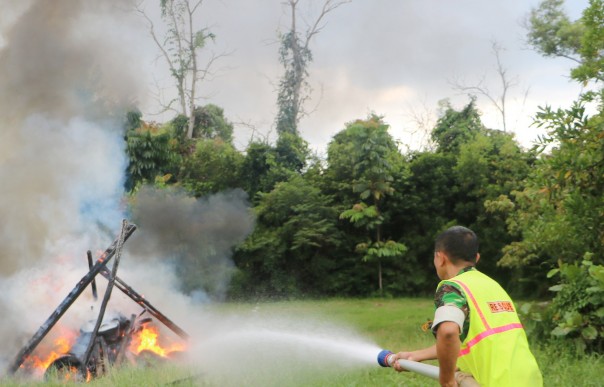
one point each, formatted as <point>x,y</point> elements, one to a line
<point>419,355</point>
<point>401,355</point>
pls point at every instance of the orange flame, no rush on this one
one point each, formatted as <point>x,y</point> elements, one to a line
<point>46,354</point>
<point>147,340</point>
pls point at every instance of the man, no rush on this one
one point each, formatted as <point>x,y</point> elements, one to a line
<point>475,323</point>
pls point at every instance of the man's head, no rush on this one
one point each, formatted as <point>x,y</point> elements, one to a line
<point>460,247</point>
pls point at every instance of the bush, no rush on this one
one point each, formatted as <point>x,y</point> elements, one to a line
<point>576,313</point>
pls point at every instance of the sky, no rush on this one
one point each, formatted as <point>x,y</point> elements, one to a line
<point>395,58</point>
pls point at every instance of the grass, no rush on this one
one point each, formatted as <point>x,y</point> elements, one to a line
<point>394,324</point>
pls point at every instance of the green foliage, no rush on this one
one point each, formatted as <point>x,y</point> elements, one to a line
<point>375,251</point>
<point>366,155</point>
<point>457,184</point>
<point>151,153</point>
<point>213,167</point>
<point>362,215</point>
<point>576,314</point>
<point>455,128</point>
<point>290,251</point>
<point>133,120</point>
<point>210,123</point>
<point>490,166</point>
<point>295,57</point>
<point>291,151</point>
<point>261,169</point>
<point>373,156</point>
<point>560,214</point>
<point>592,44</point>
<point>550,31</point>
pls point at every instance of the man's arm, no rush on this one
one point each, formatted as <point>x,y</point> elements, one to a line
<point>447,351</point>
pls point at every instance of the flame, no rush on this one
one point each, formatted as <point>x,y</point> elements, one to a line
<point>46,354</point>
<point>148,340</point>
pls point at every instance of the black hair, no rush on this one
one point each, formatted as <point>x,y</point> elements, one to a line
<point>459,243</point>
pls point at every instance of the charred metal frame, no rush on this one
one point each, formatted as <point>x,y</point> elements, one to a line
<point>97,344</point>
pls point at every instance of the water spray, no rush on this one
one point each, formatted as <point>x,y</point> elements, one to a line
<point>386,359</point>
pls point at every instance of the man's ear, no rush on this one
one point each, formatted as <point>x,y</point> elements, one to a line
<point>439,260</point>
<point>477,257</point>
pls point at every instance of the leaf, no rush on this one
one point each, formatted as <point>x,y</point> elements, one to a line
<point>597,272</point>
<point>589,333</point>
<point>573,319</point>
<point>560,331</point>
<point>557,288</point>
<point>552,273</point>
<point>526,308</point>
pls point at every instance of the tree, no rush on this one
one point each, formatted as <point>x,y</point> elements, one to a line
<point>592,44</point>
<point>423,206</point>
<point>266,165</point>
<point>551,33</point>
<point>557,216</point>
<point>490,166</point>
<point>151,153</point>
<point>214,166</point>
<point>291,251</point>
<point>295,55</point>
<point>472,165</point>
<point>373,154</point>
<point>180,48</point>
<point>455,128</point>
<point>210,123</point>
<point>499,101</point>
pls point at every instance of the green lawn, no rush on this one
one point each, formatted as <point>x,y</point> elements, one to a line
<point>292,342</point>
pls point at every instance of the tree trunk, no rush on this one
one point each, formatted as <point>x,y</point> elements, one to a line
<point>379,239</point>
<point>380,278</point>
<point>193,76</point>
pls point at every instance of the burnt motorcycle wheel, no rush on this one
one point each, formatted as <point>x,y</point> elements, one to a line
<point>66,368</point>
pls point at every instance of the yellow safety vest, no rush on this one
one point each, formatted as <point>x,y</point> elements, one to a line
<point>495,351</point>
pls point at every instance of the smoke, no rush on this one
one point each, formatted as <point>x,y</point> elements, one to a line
<point>195,236</point>
<point>67,81</point>
<point>69,74</point>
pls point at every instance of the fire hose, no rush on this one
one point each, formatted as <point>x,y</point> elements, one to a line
<point>386,359</point>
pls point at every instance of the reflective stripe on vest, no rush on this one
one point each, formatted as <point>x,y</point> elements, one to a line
<point>488,330</point>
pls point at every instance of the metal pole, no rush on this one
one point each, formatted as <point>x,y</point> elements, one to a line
<point>142,301</point>
<point>106,297</point>
<point>93,283</point>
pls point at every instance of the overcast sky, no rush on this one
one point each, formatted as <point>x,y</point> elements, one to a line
<point>396,58</point>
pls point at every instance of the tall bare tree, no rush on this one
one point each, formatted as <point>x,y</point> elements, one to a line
<point>295,55</point>
<point>498,100</point>
<point>180,47</point>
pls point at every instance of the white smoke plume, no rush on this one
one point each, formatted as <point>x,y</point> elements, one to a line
<point>68,74</point>
<point>67,80</point>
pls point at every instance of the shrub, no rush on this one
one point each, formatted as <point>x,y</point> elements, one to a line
<point>576,313</point>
